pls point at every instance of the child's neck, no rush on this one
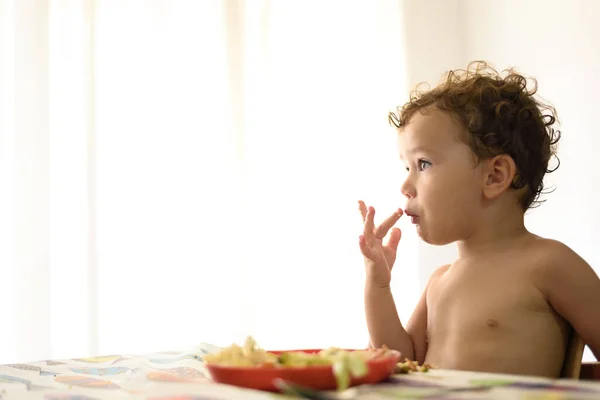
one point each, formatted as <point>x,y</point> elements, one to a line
<point>496,230</point>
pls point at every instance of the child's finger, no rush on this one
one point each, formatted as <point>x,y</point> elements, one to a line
<point>385,226</point>
<point>369,224</point>
<point>364,249</point>
<point>394,239</point>
<point>363,209</point>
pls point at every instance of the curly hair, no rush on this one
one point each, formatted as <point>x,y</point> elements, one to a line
<point>500,115</point>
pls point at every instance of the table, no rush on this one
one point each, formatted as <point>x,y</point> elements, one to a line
<point>182,376</point>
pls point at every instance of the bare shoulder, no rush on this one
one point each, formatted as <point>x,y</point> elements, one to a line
<point>440,271</point>
<point>572,288</point>
<point>430,287</point>
<point>558,264</point>
<point>436,275</point>
<point>553,259</point>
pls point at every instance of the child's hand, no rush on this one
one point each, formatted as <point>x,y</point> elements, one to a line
<point>379,258</point>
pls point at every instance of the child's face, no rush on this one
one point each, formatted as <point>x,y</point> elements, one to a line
<point>444,183</point>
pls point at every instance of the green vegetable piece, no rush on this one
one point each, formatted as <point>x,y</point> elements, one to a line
<point>403,368</point>
<point>294,360</point>
<point>318,360</point>
<point>342,374</point>
<point>356,365</point>
<point>283,358</point>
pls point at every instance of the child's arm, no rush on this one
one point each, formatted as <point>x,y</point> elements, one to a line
<point>573,289</point>
<point>385,326</point>
<point>383,322</point>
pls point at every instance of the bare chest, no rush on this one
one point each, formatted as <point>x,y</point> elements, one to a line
<point>483,302</point>
<point>493,319</point>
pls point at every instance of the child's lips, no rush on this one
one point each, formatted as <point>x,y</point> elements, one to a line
<point>413,217</point>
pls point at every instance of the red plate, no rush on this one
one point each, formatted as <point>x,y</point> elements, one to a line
<point>318,377</point>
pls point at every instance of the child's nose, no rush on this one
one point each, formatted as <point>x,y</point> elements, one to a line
<point>408,189</point>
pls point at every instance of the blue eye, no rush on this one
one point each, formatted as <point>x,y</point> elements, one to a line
<point>424,164</point>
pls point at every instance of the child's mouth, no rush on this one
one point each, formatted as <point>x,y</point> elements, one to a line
<point>413,218</point>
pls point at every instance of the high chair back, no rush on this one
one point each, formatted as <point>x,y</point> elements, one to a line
<point>590,371</point>
<point>572,364</point>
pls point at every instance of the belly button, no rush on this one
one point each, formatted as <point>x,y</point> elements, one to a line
<point>492,323</point>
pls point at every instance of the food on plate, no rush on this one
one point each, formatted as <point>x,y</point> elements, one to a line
<point>247,356</point>
<point>346,364</point>
<point>412,366</point>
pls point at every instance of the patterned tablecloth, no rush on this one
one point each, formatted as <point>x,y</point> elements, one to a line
<point>182,376</point>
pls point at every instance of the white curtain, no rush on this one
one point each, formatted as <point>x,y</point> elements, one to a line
<point>183,171</point>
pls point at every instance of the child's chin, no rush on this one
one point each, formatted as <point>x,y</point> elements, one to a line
<point>428,240</point>
<point>432,240</point>
<point>423,235</point>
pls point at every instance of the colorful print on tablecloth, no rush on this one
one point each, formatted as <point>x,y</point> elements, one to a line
<point>404,382</point>
<point>33,368</point>
<point>25,367</point>
<point>121,358</point>
<point>53,363</point>
<point>100,371</point>
<point>68,397</point>
<point>16,379</point>
<point>175,359</point>
<point>557,387</point>
<point>86,382</point>
<point>547,386</point>
<point>424,391</point>
<point>194,397</point>
<point>98,360</point>
<point>492,382</point>
<point>409,393</point>
<point>179,374</point>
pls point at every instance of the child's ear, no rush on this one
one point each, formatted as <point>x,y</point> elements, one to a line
<point>499,173</point>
